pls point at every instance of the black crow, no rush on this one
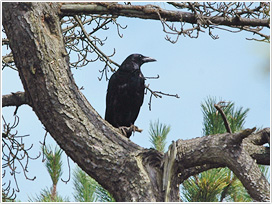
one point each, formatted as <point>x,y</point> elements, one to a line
<point>125,93</point>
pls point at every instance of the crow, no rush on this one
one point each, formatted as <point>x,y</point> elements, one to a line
<point>125,94</point>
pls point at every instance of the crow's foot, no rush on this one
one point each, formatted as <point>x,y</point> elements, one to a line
<point>127,131</point>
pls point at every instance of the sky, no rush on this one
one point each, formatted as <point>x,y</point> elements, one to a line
<point>231,68</point>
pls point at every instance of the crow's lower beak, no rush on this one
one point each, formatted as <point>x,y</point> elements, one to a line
<point>148,59</point>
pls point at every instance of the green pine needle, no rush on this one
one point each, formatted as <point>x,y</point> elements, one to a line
<point>158,133</point>
<point>217,184</point>
<point>86,189</point>
<point>53,163</point>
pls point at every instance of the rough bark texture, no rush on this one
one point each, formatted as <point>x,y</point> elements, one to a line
<point>226,149</point>
<point>39,53</point>
<point>126,170</point>
<point>14,99</point>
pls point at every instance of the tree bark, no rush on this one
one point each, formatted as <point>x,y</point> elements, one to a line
<point>14,99</point>
<point>229,150</point>
<point>39,52</point>
<point>128,171</point>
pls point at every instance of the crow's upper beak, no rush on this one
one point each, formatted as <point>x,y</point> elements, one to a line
<point>148,59</point>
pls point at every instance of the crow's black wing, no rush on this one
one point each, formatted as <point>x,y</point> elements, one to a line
<point>136,95</point>
<point>112,100</point>
<point>124,98</point>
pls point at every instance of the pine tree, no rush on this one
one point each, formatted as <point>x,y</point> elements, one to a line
<point>158,133</point>
<point>86,189</point>
<point>217,184</point>
<point>53,165</point>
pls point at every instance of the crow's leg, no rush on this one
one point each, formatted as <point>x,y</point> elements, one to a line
<point>134,128</point>
<point>127,131</point>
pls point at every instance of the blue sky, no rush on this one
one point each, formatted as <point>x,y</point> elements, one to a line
<point>231,68</point>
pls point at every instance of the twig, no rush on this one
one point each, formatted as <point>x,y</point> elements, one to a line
<point>69,168</point>
<point>245,16</point>
<point>5,41</point>
<point>95,48</point>
<point>15,157</point>
<point>157,77</point>
<point>43,146</point>
<point>226,123</point>
<point>157,94</point>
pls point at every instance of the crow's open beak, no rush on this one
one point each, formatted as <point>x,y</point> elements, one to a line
<point>148,59</point>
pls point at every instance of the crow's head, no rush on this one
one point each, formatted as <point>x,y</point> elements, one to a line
<point>134,61</point>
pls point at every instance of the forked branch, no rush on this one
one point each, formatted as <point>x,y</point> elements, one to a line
<point>231,150</point>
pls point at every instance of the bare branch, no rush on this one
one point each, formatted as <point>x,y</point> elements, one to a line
<point>69,168</point>
<point>43,146</point>
<point>252,18</point>
<point>15,156</point>
<point>5,41</point>
<point>15,99</point>
<point>96,49</point>
<point>8,58</point>
<point>150,12</point>
<point>224,117</point>
<point>87,47</point>
<point>8,61</point>
<point>157,94</point>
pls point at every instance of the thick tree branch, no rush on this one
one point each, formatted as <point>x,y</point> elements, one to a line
<point>186,173</point>
<point>151,12</point>
<point>259,138</point>
<point>128,171</point>
<point>14,99</point>
<point>98,148</point>
<point>225,149</point>
<point>253,144</point>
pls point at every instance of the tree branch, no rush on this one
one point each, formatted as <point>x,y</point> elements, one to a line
<point>8,58</point>
<point>96,49</point>
<point>151,12</point>
<point>96,146</point>
<point>253,144</point>
<point>15,99</point>
<point>8,61</point>
<point>186,173</point>
<point>5,41</point>
<point>224,117</point>
<point>224,149</point>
